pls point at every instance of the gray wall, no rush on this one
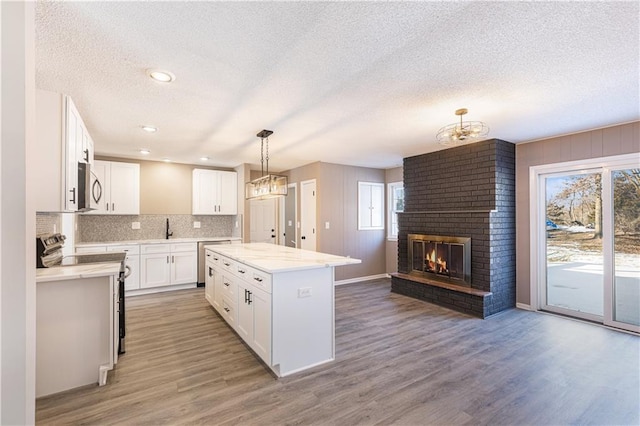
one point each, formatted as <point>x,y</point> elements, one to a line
<point>337,203</point>
<point>616,140</point>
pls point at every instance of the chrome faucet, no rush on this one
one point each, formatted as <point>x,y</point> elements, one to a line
<point>167,232</point>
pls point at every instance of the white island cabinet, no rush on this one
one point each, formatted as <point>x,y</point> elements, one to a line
<point>279,300</point>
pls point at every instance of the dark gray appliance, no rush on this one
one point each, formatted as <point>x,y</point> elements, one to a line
<point>202,259</point>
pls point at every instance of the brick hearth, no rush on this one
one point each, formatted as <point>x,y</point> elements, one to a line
<point>467,191</point>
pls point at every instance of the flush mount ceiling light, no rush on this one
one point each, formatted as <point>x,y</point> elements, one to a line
<point>145,152</point>
<point>463,132</point>
<point>166,160</point>
<point>204,158</point>
<point>267,186</point>
<point>161,76</point>
<point>150,129</point>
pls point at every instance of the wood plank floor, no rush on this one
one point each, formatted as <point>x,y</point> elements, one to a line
<point>398,361</point>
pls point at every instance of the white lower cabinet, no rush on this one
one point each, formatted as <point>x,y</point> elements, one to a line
<point>240,295</point>
<point>254,319</point>
<point>168,264</point>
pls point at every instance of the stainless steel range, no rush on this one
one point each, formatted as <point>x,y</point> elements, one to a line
<point>49,254</point>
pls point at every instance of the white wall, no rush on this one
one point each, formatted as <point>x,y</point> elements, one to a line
<point>17,215</point>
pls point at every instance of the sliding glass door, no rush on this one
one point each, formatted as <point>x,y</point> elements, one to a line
<point>574,257</point>
<point>625,305</point>
<point>587,240</point>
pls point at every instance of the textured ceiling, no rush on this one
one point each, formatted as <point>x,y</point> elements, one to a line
<point>358,83</point>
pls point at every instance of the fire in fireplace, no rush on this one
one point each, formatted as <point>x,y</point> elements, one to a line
<point>439,257</point>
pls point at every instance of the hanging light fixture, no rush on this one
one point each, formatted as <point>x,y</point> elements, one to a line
<point>267,186</point>
<point>463,132</point>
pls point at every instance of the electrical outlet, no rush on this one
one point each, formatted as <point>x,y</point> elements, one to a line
<point>196,225</point>
<point>304,292</point>
<point>135,225</point>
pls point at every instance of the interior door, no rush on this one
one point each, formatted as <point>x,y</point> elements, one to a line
<point>263,221</point>
<point>308,215</point>
<point>289,236</point>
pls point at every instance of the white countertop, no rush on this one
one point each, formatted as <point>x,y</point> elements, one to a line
<point>273,258</point>
<point>63,273</point>
<point>158,241</point>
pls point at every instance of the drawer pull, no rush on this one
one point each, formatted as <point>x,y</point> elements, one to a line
<point>226,309</point>
<point>226,264</point>
<point>215,258</point>
<point>227,284</point>
<point>258,279</point>
<point>242,271</point>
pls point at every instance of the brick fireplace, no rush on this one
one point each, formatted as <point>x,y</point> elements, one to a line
<point>466,192</point>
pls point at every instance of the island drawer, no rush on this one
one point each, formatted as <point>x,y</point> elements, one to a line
<point>229,287</point>
<point>228,311</point>
<point>227,264</point>
<point>213,257</point>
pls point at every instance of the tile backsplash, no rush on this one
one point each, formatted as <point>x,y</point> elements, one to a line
<point>47,223</point>
<point>105,228</point>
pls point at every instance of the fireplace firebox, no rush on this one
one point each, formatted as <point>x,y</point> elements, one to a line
<point>441,258</point>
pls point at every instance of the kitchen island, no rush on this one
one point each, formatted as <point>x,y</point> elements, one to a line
<point>76,325</point>
<point>279,300</point>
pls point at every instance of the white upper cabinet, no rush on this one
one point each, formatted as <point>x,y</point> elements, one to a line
<point>215,192</point>
<point>62,142</point>
<point>115,188</point>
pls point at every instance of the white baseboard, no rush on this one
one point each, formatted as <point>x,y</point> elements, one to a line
<point>159,289</point>
<point>360,279</point>
<point>524,307</point>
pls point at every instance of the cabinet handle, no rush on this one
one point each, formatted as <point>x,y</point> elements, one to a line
<point>210,272</point>
<point>113,207</point>
<point>208,255</point>
<point>246,296</point>
<point>226,264</point>
<point>167,259</point>
<point>215,258</point>
<point>107,206</point>
<point>73,199</point>
<point>258,279</point>
<point>242,271</point>
<point>227,284</point>
<point>249,300</point>
<point>173,259</point>
<point>226,309</point>
<point>86,155</point>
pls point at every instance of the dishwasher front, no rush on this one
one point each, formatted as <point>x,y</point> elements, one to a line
<point>201,258</point>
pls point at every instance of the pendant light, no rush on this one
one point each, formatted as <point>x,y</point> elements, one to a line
<point>266,186</point>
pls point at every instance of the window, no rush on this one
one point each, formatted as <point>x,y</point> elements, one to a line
<point>395,191</point>
<point>370,205</point>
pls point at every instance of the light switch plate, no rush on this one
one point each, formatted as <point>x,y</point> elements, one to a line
<point>196,225</point>
<point>135,225</point>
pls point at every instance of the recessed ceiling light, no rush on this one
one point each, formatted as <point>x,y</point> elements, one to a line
<point>162,76</point>
<point>150,129</point>
<point>145,152</point>
<point>166,160</point>
<point>204,158</point>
